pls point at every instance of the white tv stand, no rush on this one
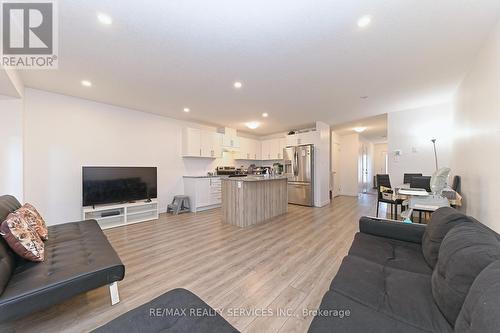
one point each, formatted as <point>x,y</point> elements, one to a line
<point>128,213</point>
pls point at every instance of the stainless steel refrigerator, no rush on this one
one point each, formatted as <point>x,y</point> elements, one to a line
<point>299,168</point>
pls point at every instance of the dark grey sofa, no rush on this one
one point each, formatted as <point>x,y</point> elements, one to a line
<point>443,277</point>
<point>78,258</point>
<point>411,278</point>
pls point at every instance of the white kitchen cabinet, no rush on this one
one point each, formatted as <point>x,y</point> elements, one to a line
<point>281,146</point>
<point>230,139</point>
<point>256,149</point>
<point>249,149</point>
<point>306,138</point>
<point>244,153</point>
<point>272,149</point>
<point>201,143</point>
<point>191,142</point>
<point>211,144</point>
<point>204,192</point>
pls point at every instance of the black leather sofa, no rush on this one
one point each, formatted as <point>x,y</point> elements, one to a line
<point>78,258</point>
<point>443,277</point>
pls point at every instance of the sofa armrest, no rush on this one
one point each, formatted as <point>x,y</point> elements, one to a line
<point>392,229</point>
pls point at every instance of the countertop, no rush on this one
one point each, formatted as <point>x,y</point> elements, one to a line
<point>255,178</point>
<point>203,176</point>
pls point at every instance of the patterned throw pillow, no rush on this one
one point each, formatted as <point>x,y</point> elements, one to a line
<point>21,238</point>
<point>34,219</point>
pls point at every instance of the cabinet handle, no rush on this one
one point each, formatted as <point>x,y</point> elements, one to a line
<point>231,142</point>
<point>200,151</point>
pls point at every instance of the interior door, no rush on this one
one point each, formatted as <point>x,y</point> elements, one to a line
<point>335,169</point>
<point>364,169</point>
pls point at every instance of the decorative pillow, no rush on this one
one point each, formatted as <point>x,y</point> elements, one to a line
<point>466,250</point>
<point>21,238</point>
<point>34,219</point>
<point>442,221</point>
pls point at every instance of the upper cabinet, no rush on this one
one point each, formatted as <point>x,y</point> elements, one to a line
<point>250,149</point>
<point>201,143</point>
<point>230,140</point>
<point>272,149</point>
<point>306,138</point>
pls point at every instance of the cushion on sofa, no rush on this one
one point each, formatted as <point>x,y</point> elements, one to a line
<point>339,313</point>
<point>178,310</point>
<point>34,219</point>
<point>397,294</point>
<point>480,310</point>
<point>390,252</point>
<point>21,238</point>
<point>466,250</point>
<point>442,221</point>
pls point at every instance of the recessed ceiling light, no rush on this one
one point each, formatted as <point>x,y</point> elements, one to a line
<point>359,129</point>
<point>186,110</point>
<point>86,83</point>
<point>253,124</point>
<point>364,21</point>
<point>104,19</point>
<point>238,85</point>
<point>265,115</point>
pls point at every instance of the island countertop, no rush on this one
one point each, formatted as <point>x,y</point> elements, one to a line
<point>255,178</point>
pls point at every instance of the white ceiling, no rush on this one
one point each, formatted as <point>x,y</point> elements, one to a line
<point>375,128</point>
<point>299,60</point>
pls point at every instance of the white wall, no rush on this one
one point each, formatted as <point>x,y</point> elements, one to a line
<point>11,147</point>
<point>476,151</point>
<point>63,133</point>
<point>411,132</point>
<point>349,164</point>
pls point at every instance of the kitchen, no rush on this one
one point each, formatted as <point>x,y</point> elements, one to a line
<point>299,158</point>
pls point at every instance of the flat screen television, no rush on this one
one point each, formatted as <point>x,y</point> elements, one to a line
<point>106,185</point>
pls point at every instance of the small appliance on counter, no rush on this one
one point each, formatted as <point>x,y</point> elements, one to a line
<point>277,168</point>
<point>257,170</point>
<point>227,171</point>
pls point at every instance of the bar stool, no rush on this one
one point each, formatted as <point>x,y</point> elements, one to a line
<point>180,204</point>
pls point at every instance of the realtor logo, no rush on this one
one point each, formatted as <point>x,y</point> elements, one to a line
<point>29,34</point>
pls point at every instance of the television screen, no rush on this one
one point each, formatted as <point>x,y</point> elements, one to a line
<point>104,185</point>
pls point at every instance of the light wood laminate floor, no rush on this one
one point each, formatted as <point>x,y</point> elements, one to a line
<point>287,263</point>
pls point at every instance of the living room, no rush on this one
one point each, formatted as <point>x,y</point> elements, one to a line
<point>249,166</point>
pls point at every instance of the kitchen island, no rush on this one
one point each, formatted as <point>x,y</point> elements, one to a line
<point>251,200</point>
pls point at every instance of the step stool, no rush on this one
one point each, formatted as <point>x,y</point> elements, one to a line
<point>180,204</point>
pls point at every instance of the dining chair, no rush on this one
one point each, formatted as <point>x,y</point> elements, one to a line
<point>457,184</point>
<point>421,182</point>
<point>385,181</point>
